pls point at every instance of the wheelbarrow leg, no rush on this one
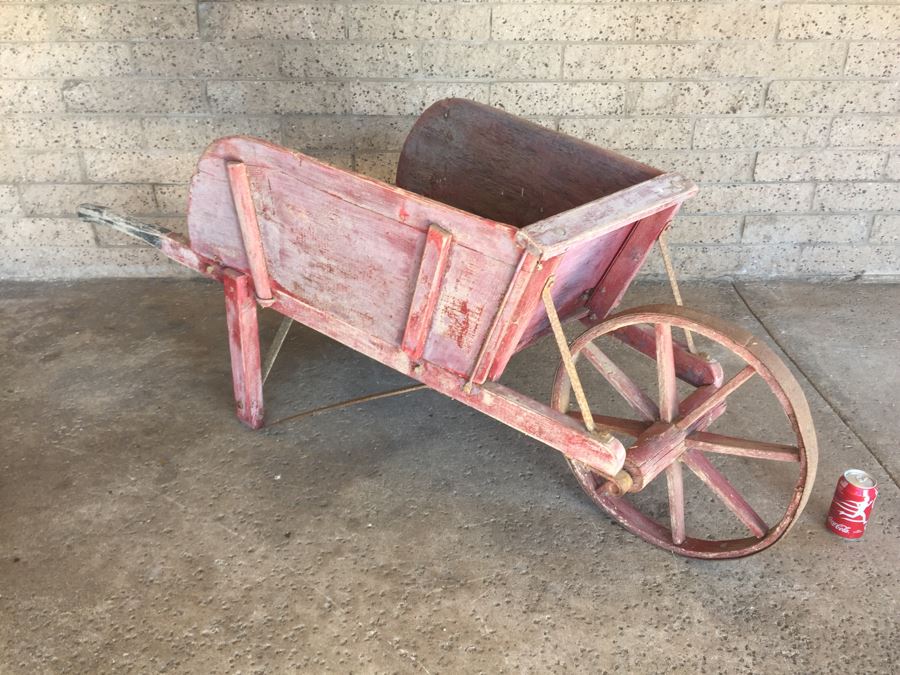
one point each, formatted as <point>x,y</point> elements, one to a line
<point>243,341</point>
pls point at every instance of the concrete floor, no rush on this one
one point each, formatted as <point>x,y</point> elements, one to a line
<point>142,529</point>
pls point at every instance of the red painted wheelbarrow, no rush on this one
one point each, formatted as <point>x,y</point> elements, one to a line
<point>498,231</point>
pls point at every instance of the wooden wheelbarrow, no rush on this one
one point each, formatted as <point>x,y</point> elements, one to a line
<point>497,232</point>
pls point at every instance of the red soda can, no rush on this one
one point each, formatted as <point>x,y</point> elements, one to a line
<point>852,504</point>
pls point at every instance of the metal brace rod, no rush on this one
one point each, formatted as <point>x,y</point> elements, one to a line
<point>673,282</point>
<point>348,403</point>
<point>275,347</point>
<point>566,355</point>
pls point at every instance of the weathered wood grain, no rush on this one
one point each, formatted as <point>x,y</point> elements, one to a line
<point>428,289</point>
<point>243,342</point>
<point>488,162</point>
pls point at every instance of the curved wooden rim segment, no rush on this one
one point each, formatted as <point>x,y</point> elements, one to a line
<point>761,360</point>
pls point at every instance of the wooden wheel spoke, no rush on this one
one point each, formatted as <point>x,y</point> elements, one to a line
<point>717,398</point>
<point>742,447</point>
<point>627,388</point>
<point>675,486</point>
<point>619,425</point>
<point>665,368</point>
<point>723,489</point>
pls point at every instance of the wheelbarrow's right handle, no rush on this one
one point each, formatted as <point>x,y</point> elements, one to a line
<point>170,243</point>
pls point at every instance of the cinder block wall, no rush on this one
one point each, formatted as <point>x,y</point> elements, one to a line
<point>787,113</point>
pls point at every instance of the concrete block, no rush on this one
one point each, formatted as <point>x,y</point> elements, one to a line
<point>806,97</point>
<point>760,132</point>
<point>9,202</point>
<point>552,98</point>
<point>30,96</point>
<point>206,59</point>
<point>886,229</point>
<point>271,21</point>
<point>702,60</point>
<point>342,160</point>
<point>892,170</point>
<point>419,22</point>
<point>379,165</point>
<point>804,229</point>
<point>70,131</point>
<point>125,21</point>
<point>797,165</point>
<point>868,196</point>
<point>53,199</point>
<point>408,98</point>
<point>865,131</point>
<point>873,59</point>
<point>357,133</point>
<point>24,23</point>
<point>183,133</point>
<point>172,199</point>
<point>694,98</point>
<point>27,166</point>
<point>564,23</point>
<point>311,59</point>
<point>849,260</point>
<point>752,198</point>
<point>492,61</point>
<point>687,229</point>
<point>148,96</point>
<point>72,59</point>
<point>700,165</point>
<point>254,97</point>
<point>839,22</point>
<point>148,166</point>
<point>669,133</point>
<point>713,22</point>
<point>54,232</point>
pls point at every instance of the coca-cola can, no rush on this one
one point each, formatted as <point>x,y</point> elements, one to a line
<point>852,504</point>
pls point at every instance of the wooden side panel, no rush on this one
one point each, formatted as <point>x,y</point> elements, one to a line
<point>470,298</point>
<point>428,289</point>
<point>351,246</point>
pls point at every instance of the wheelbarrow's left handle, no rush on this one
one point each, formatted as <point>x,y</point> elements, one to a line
<point>170,243</point>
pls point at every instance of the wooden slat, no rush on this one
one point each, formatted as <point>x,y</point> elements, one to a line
<point>619,380</point>
<point>628,261</point>
<point>557,234</point>
<point>517,321</point>
<point>428,290</point>
<point>742,447</point>
<point>246,215</point>
<point>729,495</point>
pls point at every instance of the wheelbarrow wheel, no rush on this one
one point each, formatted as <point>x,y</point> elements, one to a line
<point>699,512</point>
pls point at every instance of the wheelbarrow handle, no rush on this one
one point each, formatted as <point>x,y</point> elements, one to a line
<point>146,232</point>
<point>170,243</point>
